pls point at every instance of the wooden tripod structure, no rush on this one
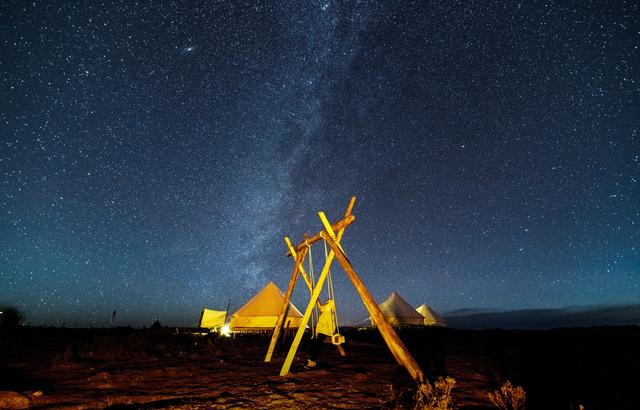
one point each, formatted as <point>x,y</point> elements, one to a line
<point>332,235</point>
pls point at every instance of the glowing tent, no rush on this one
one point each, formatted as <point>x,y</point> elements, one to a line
<point>212,319</point>
<point>431,318</point>
<point>261,312</point>
<point>399,313</point>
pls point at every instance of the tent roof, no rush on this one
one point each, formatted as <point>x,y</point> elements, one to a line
<point>267,302</point>
<point>395,306</point>
<point>430,316</point>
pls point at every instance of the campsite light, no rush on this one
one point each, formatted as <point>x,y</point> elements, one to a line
<point>225,330</point>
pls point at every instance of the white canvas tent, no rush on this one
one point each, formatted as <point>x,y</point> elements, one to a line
<point>261,312</point>
<point>212,319</point>
<point>431,318</point>
<point>399,313</point>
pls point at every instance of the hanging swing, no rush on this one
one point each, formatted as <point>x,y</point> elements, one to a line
<point>325,321</point>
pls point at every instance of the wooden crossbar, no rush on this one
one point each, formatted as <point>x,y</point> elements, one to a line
<point>341,224</point>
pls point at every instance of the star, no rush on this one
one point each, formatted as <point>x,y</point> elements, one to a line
<point>187,50</point>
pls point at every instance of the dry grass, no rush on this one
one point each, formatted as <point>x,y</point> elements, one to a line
<point>509,397</point>
<point>436,397</point>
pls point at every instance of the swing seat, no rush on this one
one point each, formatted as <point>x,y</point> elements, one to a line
<point>337,339</point>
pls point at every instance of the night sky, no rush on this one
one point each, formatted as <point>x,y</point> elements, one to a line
<point>154,154</point>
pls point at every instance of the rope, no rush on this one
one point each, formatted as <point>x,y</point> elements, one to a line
<point>330,290</point>
<point>312,278</point>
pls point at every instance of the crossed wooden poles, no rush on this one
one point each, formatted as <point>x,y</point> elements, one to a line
<point>332,234</point>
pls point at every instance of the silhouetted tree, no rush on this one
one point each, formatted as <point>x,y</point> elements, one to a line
<point>10,316</point>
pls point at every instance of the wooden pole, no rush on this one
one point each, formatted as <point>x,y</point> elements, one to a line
<point>330,232</point>
<point>304,272</point>
<point>398,349</point>
<point>285,306</point>
<point>307,315</point>
<point>301,267</point>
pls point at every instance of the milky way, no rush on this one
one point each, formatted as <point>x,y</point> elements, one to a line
<point>153,155</point>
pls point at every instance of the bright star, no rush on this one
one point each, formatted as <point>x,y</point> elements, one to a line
<point>187,50</point>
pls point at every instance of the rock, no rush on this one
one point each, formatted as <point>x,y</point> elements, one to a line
<point>35,394</point>
<point>13,400</point>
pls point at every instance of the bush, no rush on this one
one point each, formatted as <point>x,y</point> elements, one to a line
<point>436,397</point>
<point>509,397</point>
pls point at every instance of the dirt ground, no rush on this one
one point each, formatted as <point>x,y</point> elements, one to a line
<point>175,369</point>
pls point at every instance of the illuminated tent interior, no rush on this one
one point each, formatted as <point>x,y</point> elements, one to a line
<point>431,318</point>
<point>261,312</point>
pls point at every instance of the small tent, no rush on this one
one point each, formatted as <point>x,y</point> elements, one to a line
<point>261,312</point>
<point>212,319</point>
<point>431,318</point>
<point>399,313</point>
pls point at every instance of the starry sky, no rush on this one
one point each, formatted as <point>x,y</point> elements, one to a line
<point>154,154</point>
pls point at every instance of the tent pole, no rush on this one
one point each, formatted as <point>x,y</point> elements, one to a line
<point>201,316</point>
<point>226,314</point>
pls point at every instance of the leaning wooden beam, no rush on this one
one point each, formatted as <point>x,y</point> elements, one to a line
<point>307,315</point>
<point>304,273</point>
<point>329,230</point>
<point>341,224</point>
<point>352,203</point>
<point>285,306</point>
<point>389,335</point>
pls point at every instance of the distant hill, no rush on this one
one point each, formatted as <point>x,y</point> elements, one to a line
<point>545,318</point>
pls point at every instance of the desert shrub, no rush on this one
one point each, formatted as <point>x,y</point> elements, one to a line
<point>437,397</point>
<point>509,397</point>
